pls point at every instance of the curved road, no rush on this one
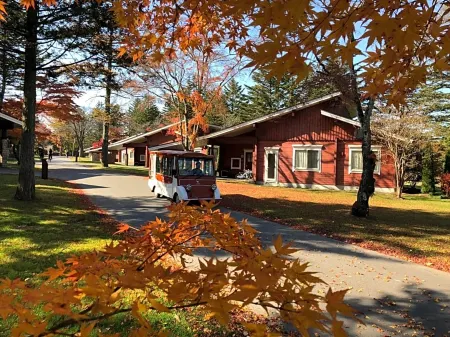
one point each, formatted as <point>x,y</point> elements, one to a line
<point>397,298</point>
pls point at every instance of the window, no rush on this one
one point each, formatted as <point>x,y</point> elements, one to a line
<point>131,154</point>
<point>307,158</point>
<point>235,163</point>
<point>356,159</point>
<point>142,157</point>
<point>167,166</point>
<point>195,167</point>
<point>158,164</point>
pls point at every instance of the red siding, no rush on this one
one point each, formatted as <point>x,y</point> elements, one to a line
<point>305,125</point>
<point>160,138</point>
<point>310,127</point>
<point>386,178</point>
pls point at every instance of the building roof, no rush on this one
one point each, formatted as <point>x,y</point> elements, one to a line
<point>138,138</point>
<point>132,139</point>
<point>189,154</point>
<point>248,126</point>
<point>340,118</point>
<point>165,146</point>
<point>11,119</point>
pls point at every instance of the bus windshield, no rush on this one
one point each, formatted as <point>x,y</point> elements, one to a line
<point>195,167</point>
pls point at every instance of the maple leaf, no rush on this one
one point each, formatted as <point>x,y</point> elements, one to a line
<point>335,303</point>
<point>86,329</point>
<point>122,228</point>
<point>337,329</point>
<point>54,273</point>
<point>2,11</point>
<point>27,3</point>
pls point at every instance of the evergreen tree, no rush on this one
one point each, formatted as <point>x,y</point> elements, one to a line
<point>447,162</point>
<point>268,95</point>
<point>142,114</point>
<point>265,96</point>
<point>51,35</point>
<point>104,69</point>
<point>428,171</point>
<point>235,98</point>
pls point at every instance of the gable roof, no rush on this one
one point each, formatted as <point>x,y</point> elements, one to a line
<point>138,138</point>
<point>247,126</point>
<point>340,118</point>
<point>11,119</point>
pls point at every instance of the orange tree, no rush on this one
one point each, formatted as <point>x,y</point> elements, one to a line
<point>154,268</point>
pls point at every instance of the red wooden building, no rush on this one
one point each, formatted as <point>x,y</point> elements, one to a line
<point>133,151</point>
<point>310,145</point>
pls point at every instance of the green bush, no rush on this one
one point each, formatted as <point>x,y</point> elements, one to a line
<point>447,162</point>
<point>428,171</point>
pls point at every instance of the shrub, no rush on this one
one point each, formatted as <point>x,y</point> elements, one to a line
<point>447,162</point>
<point>152,263</point>
<point>445,184</point>
<point>428,171</point>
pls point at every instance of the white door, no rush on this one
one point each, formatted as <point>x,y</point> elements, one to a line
<point>271,165</point>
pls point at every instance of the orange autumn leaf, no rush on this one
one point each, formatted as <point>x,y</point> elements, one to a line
<point>155,257</point>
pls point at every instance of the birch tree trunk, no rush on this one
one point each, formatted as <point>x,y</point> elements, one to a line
<point>26,185</point>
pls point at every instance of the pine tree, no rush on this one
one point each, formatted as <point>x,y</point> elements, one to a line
<point>235,98</point>
<point>265,96</point>
<point>142,114</point>
<point>428,171</point>
<point>104,69</point>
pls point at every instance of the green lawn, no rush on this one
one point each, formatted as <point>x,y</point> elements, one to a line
<point>33,235</point>
<point>416,228</point>
<point>134,170</point>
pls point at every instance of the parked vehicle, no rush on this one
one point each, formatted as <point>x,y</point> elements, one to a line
<point>247,174</point>
<point>183,176</point>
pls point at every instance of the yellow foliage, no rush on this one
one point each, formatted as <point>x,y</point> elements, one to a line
<point>153,262</point>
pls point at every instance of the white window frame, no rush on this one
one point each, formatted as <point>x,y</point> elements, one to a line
<point>142,157</point>
<point>276,152</point>
<point>375,148</point>
<point>303,147</point>
<point>236,167</point>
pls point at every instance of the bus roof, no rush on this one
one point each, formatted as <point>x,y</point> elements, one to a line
<point>188,154</point>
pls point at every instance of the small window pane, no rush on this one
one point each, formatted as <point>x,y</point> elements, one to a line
<point>377,165</point>
<point>301,159</point>
<point>357,160</point>
<point>271,166</point>
<point>313,159</point>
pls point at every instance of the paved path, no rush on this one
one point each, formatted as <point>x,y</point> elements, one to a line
<point>397,298</point>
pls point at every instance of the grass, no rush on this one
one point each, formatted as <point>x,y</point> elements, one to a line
<point>415,228</point>
<point>61,223</point>
<point>33,235</point>
<point>133,170</point>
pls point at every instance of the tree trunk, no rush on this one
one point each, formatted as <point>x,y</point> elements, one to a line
<point>107,100</point>
<point>26,186</point>
<point>367,184</point>
<point>4,77</point>
<point>399,178</point>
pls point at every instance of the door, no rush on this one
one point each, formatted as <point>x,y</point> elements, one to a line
<point>271,165</point>
<point>248,159</point>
